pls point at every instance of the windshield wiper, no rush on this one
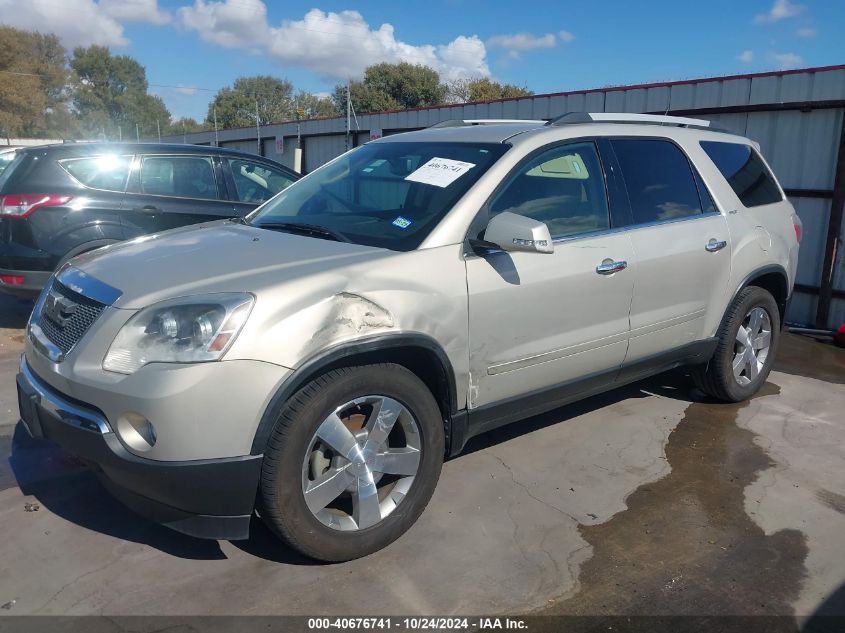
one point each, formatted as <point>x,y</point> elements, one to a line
<point>312,230</point>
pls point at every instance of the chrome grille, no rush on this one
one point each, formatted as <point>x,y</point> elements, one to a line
<point>66,315</point>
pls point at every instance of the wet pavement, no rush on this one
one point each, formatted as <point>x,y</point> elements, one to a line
<point>685,545</point>
<point>646,500</point>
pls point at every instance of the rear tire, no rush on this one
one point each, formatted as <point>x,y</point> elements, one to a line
<point>748,339</point>
<point>352,461</point>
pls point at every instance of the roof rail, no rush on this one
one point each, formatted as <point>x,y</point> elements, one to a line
<point>465,122</point>
<point>625,117</point>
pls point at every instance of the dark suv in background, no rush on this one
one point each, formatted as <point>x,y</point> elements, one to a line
<point>57,201</point>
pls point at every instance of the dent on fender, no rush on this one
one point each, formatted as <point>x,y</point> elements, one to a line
<point>351,314</point>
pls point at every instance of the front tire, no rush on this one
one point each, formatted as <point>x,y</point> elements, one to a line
<point>748,338</point>
<point>352,461</point>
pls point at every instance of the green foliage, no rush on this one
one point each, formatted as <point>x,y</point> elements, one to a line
<point>110,95</point>
<point>392,87</point>
<point>184,125</point>
<point>483,89</point>
<point>33,84</point>
<point>271,98</point>
<point>310,106</point>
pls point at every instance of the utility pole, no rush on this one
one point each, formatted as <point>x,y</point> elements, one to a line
<point>119,134</point>
<point>257,126</point>
<point>137,133</point>
<point>216,137</point>
<point>158,127</point>
<point>348,115</point>
<point>297,152</point>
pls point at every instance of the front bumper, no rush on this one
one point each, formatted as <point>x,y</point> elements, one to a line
<point>212,498</point>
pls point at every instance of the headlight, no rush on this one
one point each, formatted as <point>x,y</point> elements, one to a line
<point>184,330</point>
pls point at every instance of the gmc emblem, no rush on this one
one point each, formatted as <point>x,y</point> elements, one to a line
<point>58,309</point>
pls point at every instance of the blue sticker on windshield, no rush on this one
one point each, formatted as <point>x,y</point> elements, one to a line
<point>402,223</point>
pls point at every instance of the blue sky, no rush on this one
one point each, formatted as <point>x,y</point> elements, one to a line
<point>203,45</point>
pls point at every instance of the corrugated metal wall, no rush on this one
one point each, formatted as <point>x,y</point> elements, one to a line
<point>242,146</point>
<point>796,116</point>
<point>318,150</point>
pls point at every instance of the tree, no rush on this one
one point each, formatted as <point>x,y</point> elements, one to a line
<point>183,125</point>
<point>33,84</point>
<point>392,87</point>
<point>270,97</point>
<point>111,94</point>
<point>483,89</point>
<point>310,106</point>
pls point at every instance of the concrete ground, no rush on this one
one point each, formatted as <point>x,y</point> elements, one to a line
<point>647,500</point>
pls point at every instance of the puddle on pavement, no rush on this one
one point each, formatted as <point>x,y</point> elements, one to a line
<point>686,545</point>
<point>805,356</point>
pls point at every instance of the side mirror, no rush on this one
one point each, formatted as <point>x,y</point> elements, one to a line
<point>512,232</point>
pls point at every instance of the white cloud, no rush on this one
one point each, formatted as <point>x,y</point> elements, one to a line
<point>780,10</point>
<point>786,61</point>
<point>241,24</point>
<point>517,43</point>
<point>462,57</point>
<point>75,22</point>
<point>334,45</point>
<point>81,22</point>
<point>523,41</point>
<point>186,90</point>
<point>135,11</point>
<point>746,56</point>
<point>806,31</point>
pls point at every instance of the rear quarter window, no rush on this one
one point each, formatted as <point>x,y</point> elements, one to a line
<point>13,167</point>
<point>745,172</point>
<point>107,172</point>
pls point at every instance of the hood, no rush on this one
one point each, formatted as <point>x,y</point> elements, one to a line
<point>214,257</point>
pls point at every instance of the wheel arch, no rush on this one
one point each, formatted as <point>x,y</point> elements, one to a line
<point>419,353</point>
<point>85,247</point>
<point>772,278</point>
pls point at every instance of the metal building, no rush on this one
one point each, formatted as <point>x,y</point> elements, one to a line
<point>795,115</point>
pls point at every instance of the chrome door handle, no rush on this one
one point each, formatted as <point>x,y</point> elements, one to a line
<point>715,245</point>
<point>608,267</point>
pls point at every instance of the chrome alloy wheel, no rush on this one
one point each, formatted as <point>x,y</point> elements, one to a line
<point>361,463</point>
<point>753,341</point>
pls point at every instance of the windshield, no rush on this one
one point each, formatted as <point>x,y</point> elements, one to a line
<point>389,195</point>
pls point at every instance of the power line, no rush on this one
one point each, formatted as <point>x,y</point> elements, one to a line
<point>151,85</point>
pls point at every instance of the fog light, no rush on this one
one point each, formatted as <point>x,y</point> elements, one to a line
<point>136,431</point>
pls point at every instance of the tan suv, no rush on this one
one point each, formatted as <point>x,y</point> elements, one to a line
<point>318,360</point>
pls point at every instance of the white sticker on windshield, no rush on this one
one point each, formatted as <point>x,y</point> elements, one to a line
<point>440,172</point>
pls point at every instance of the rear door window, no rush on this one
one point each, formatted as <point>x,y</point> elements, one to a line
<point>659,180</point>
<point>108,172</point>
<point>179,176</point>
<point>745,172</point>
<point>256,182</point>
